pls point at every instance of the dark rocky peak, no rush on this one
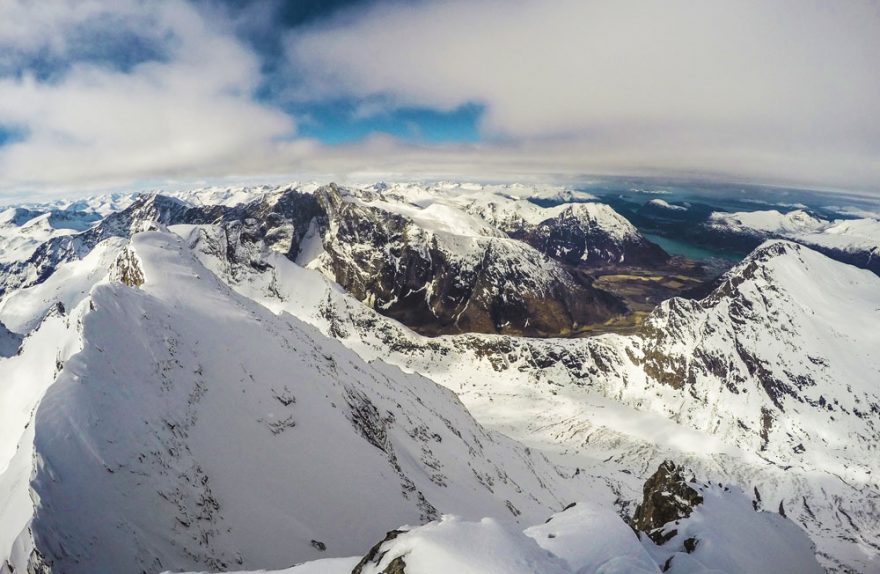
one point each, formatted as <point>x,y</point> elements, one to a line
<point>151,207</point>
<point>244,235</point>
<point>127,269</point>
<point>376,554</point>
<point>754,265</point>
<point>668,497</point>
<point>330,197</point>
<point>275,222</point>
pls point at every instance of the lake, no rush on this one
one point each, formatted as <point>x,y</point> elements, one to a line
<point>689,250</point>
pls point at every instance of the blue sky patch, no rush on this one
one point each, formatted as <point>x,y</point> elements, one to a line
<point>10,135</point>
<point>341,122</point>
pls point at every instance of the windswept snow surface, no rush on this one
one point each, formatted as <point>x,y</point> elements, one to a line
<point>195,429</point>
<point>726,536</point>
<point>769,383</point>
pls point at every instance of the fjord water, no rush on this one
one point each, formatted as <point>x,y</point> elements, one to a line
<point>689,250</point>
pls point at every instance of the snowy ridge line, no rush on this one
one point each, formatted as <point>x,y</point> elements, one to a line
<point>722,533</point>
<point>855,241</point>
<point>784,461</point>
<point>194,447</point>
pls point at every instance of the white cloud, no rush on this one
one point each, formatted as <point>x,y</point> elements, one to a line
<point>783,91</point>
<point>190,112</point>
<point>774,91</point>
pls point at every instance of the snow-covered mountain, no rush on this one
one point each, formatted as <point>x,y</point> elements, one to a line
<point>854,241</point>
<point>175,363</point>
<point>461,274</point>
<point>182,425</point>
<point>102,205</point>
<point>23,230</point>
<point>664,205</point>
<point>768,383</point>
<point>565,224</point>
<point>431,264</point>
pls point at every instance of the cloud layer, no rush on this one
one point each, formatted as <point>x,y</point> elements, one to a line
<point>102,93</point>
<point>780,90</point>
<point>189,111</point>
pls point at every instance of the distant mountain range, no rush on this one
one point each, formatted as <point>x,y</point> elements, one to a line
<point>236,379</point>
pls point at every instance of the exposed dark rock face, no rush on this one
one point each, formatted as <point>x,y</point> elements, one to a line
<point>576,238</point>
<point>245,233</point>
<point>127,269</point>
<point>375,555</point>
<point>667,498</point>
<point>486,285</point>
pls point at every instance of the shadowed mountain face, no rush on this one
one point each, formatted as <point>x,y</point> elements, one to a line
<point>437,282</point>
<point>403,261</point>
<point>9,341</point>
<point>579,235</point>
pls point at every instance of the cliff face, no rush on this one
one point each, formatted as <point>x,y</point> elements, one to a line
<point>439,282</point>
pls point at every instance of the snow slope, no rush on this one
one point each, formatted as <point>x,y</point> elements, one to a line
<point>769,383</point>
<point>731,538</point>
<point>217,434</point>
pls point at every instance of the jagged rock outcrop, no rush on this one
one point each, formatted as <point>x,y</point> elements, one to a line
<point>376,554</point>
<point>667,497</point>
<point>127,269</point>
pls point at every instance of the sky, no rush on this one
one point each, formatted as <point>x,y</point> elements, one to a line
<point>123,94</point>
